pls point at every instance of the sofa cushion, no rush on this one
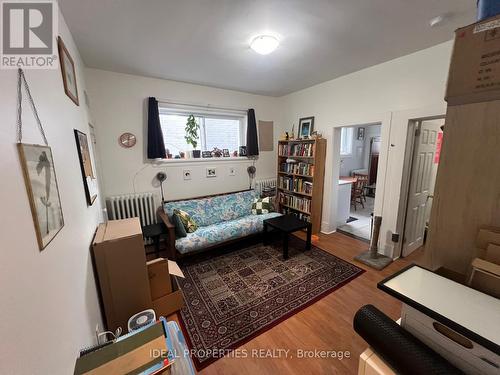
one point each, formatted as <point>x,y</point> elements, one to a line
<point>222,232</point>
<point>195,208</point>
<point>180,230</point>
<point>188,222</point>
<point>209,211</point>
<point>262,206</point>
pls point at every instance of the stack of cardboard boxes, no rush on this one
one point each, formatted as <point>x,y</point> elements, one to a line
<point>127,283</point>
<point>467,192</point>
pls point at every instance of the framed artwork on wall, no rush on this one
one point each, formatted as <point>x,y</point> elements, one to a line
<point>306,127</point>
<point>67,66</point>
<point>89,177</point>
<point>361,134</point>
<point>43,192</point>
<point>211,172</point>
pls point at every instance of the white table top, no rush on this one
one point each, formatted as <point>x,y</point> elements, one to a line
<point>469,308</point>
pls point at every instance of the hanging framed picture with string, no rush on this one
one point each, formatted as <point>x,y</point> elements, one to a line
<point>39,173</point>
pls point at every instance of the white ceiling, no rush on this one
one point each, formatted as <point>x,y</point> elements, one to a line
<point>206,41</point>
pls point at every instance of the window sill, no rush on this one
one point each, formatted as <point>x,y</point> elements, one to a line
<point>237,159</point>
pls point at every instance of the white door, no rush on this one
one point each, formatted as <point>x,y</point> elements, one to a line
<point>421,181</point>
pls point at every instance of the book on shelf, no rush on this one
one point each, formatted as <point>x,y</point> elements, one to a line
<point>298,203</point>
<point>297,149</point>
<point>296,185</point>
<point>304,169</point>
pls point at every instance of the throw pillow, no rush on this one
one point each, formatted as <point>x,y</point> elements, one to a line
<point>180,231</point>
<point>262,206</point>
<point>187,220</point>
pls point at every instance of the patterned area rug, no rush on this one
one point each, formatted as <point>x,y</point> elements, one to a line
<point>233,297</point>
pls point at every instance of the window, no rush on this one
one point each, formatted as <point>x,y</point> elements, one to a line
<point>221,130</point>
<point>346,137</point>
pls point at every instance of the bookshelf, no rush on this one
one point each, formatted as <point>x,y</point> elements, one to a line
<point>300,179</point>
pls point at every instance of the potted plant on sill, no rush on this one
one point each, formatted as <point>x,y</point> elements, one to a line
<point>191,136</point>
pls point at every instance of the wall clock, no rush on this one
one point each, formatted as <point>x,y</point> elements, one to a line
<point>127,140</point>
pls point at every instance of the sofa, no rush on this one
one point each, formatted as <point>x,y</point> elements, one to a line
<point>221,218</point>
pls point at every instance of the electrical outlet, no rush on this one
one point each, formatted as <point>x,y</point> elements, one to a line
<point>186,173</point>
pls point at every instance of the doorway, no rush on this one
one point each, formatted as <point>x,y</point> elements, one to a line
<point>359,155</point>
<point>423,156</point>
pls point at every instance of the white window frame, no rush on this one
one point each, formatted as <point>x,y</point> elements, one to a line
<point>346,132</point>
<point>181,109</point>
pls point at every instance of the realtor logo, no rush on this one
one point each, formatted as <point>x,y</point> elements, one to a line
<point>29,29</point>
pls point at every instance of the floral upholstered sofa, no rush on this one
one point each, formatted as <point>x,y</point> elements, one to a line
<point>220,218</point>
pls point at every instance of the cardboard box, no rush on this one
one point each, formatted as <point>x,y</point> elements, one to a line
<point>120,264</point>
<point>165,292</point>
<point>166,305</point>
<point>474,74</point>
<point>159,278</point>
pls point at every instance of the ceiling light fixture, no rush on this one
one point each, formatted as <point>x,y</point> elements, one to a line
<point>437,21</point>
<point>264,44</point>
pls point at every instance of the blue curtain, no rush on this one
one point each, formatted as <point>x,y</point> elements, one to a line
<point>252,140</point>
<point>156,146</point>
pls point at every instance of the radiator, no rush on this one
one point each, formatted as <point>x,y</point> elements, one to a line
<point>265,183</point>
<point>139,205</point>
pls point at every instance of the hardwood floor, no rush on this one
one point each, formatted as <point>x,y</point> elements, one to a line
<point>325,325</point>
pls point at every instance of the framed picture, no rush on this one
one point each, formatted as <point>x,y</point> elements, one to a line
<point>89,177</point>
<point>243,150</point>
<point>211,172</point>
<point>225,153</point>
<point>361,134</point>
<point>206,154</point>
<point>43,193</point>
<point>68,71</point>
<point>306,127</point>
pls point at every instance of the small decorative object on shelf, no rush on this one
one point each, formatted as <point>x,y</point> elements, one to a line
<point>235,153</point>
<point>292,135</point>
<point>316,135</point>
<point>216,152</point>
<point>243,150</point>
<point>206,154</point>
<point>301,169</point>
<point>225,153</point>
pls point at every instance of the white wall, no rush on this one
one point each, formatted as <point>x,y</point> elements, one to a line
<point>376,94</point>
<point>48,302</point>
<point>118,103</point>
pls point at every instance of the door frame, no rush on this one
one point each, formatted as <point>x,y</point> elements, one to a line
<point>331,174</point>
<point>406,178</point>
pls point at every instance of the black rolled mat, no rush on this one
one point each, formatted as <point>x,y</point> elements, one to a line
<point>399,348</point>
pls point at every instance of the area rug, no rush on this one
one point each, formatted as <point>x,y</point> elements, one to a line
<point>234,297</point>
<point>351,219</point>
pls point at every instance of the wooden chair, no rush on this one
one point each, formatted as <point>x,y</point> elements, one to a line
<point>357,193</point>
<point>363,178</point>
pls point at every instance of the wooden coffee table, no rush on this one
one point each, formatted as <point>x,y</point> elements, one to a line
<point>287,224</point>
